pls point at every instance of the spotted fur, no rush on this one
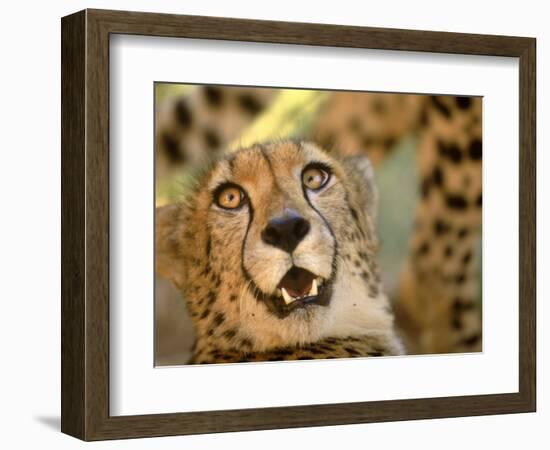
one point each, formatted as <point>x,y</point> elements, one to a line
<point>435,305</point>
<point>229,275</point>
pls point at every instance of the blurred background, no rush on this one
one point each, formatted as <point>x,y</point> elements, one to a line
<point>280,113</point>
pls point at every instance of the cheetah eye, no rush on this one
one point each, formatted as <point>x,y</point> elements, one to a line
<point>229,197</point>
<point>315,178</point>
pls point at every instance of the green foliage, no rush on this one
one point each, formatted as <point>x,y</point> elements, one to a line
<point>165,91</point>
<point>397,181</point>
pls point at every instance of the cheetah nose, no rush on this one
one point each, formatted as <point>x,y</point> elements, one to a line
<point>286,231</point>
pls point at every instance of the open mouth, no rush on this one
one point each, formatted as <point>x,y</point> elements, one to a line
<point>298,289</point>
<point>299,285</point>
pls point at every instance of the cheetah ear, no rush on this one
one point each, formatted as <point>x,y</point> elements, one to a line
<point>168,232</point>
<point>361,172</point>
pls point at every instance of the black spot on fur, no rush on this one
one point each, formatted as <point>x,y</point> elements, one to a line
<point>475,150</point>
<point>172,149</point>
<point>216,279</point>
<point>448,251</point>
<point>205,314</point>
<point>455,201</point>
<point>365,275</point>
<point>463,232</point>
<point>459,305</point>
<point>326,348</point>
<point>208,247</point>
<point>211,298</point>
<point>250,104</point>
<point>479,201</point>
<point>211,138</point>
<point>316,350</point>
<point>232,298</point>
<point>389,142</point>
<point>375,354</point>
<point>437,176</point>
<point>463,102</point>
<point>472,340</point>
<point>441,227</point>
<point>303,358</point>
<point>460,278</point>
<point>449,151</point>
<point>424,118</point>
<point>467,258</point>
<point>183,114</point>
<point>373,290</point>
<point>214,96</point>
<point>284,352</point>
<point>246,343</point>
<point>424,248</point>
<point>425,187</point>
<point>206,270</point>
<point>219,318</point>
<point>456,323</point>
<point>230,334</point>
<point>440,106</point>
<point>352,351</point>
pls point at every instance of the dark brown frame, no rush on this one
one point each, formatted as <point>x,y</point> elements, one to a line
<point>85,224</point>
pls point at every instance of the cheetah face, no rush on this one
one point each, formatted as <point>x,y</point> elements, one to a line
<point>274,200</point>
<point>265,245</point>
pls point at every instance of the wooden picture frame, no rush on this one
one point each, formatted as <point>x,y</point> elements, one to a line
<point>85,224</point>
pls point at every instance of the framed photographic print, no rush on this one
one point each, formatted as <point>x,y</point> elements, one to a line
<point>271,224</point>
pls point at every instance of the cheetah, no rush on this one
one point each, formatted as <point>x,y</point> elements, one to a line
<point>275,252</point>
<point>435,304</point>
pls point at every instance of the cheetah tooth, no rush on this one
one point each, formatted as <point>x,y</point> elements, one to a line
<point>313,291</point>
<point>319,281</point>
<point>287,298</point>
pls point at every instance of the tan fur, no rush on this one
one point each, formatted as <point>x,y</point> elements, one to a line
<point>220,261</point>
<point>435,304</point>
<point>442,281</point>
<point>192,128</point>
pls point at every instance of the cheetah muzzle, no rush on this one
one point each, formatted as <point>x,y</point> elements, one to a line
<point>298,289</point>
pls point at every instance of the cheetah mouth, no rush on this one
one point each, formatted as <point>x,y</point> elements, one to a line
<point>299,285</point>
<point>298,289</point>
